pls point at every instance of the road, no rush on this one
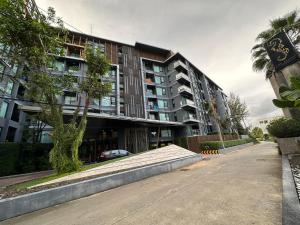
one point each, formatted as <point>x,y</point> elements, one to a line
<point>240,188</point>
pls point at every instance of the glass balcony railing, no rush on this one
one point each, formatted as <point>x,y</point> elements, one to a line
<point>185,101</point>
<point>182,76</point>
<point>189,117</point>
<point>184,88</point>
<point>152,107</point>
<point>179,64</point>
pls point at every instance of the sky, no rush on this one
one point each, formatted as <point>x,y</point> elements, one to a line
<point>216,35</point>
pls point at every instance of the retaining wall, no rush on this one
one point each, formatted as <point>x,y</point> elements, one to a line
<point>15,206</point>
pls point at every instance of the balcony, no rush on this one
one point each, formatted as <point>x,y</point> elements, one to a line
<point>185,90</point>
<point>181,77</point>
<point>178,65</point>
<point>187,104</point>
<point>190,118</point>
<point>148,81</point>
<point>150,94</point>
<point>153,108</point>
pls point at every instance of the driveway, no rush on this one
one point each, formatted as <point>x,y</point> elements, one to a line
<point>240,188</point>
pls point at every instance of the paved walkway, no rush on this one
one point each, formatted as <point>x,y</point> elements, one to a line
<point>240,188</point>
<point>169,152</point>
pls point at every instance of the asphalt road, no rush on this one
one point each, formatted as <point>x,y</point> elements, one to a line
<point>239,188</point>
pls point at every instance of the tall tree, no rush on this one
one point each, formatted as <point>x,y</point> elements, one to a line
<point>211,107</point>
<point>35,42</point>
<point>289,23</point>
<point>238,111</point>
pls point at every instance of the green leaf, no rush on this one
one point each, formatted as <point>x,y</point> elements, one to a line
<point>283,103</point>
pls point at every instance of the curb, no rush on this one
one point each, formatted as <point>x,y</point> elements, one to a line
<point>27,203</point>
<point>290,201</point>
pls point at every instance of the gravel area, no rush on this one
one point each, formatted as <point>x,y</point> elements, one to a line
<point>295,165</point>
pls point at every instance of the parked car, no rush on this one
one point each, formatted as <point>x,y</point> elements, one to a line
<point>113,154</point>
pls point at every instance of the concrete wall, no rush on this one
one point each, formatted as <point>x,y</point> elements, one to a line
<point>15,206</point>
<point>290,202</point>
<point>289,145</point>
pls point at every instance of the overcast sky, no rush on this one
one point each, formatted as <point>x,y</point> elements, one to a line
<point>215,35</point>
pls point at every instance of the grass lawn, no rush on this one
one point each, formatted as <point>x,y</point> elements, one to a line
<point>41,180</point>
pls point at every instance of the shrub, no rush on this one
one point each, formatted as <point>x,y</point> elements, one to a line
<point>181,141</point>
<point>214,145</point>
<point>16,158</point>
<point>284,128</point>
<point>257,133</point>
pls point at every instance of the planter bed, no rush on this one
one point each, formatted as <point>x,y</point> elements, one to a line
<point>295,167</point>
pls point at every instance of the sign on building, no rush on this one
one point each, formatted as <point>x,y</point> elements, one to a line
<point>281,51</point>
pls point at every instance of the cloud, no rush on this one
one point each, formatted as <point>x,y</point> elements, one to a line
<point>215,35</point>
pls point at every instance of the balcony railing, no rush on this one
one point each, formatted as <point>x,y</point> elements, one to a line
<point>190,118</point>
<point>179,64</point>
<point>149,81</point>
<point>150,94</point>
<point>152,107</point>
<point>182,76</point>
<point>188,102</point>
<point>184,88</point>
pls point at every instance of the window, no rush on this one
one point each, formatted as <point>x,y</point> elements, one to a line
<point>166,133</point>
<point>1,68</point>
<point>161,91</point>
<point>162,104</point>
<point>58,66</point>
<point>3,109</point>
<point>0,131</point>
<point>157,69</point>
<point>45,137</point>
<point>14,70</point>
<point>11,134</point>
<point>159,80</point>
<point>108,101</point>
<point>70,98</point>
<point>9,87</point>
<point>15,116</point>
<point>164,116</point>
<point>113,87</point>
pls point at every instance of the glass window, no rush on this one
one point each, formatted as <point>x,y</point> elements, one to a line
<point>9,87</point>
<point>96,102</point>
<point>157,69</point>
<point>105,101</point>
<point>14,70</point>
<point>1,68</point>
<point>158,80</point>
<point>166,133</point>
<point>164,116</point>
<point>160,91</point>
<point>162,104</point>
<point>45,137</point>
<point>3,109</point>
<point>113,86</point>
<point>59,66</point>
<point>70,100</point>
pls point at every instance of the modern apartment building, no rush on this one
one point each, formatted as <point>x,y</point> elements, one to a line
<point>156,96</point>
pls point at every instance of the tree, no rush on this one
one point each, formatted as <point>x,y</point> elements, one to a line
<point>257,133</point>
<point>211,107</point>
<point>238,111</point>
<point>35,42</point>
<point>290,96</point>
<point>290,23</point>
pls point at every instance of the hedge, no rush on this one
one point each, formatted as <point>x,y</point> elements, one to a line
<point>18,158</point>
<point>181,141</point>
<point>284,128</point>
<point>214,145</point>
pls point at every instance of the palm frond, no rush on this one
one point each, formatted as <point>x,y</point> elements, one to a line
<point>265,35</point>
<point>260,64</point>
<point>259,53</point>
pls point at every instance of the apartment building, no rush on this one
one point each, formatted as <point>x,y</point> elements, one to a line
<point>157,95</point>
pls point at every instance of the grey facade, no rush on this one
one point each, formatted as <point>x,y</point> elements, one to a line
<point>156,96</point>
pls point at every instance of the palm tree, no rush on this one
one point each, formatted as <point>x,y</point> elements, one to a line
<point>290,23</point>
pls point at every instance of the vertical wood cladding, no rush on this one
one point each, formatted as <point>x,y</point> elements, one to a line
<point>133,89</point>
<point>154,56</point>
<point>111,52</point>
